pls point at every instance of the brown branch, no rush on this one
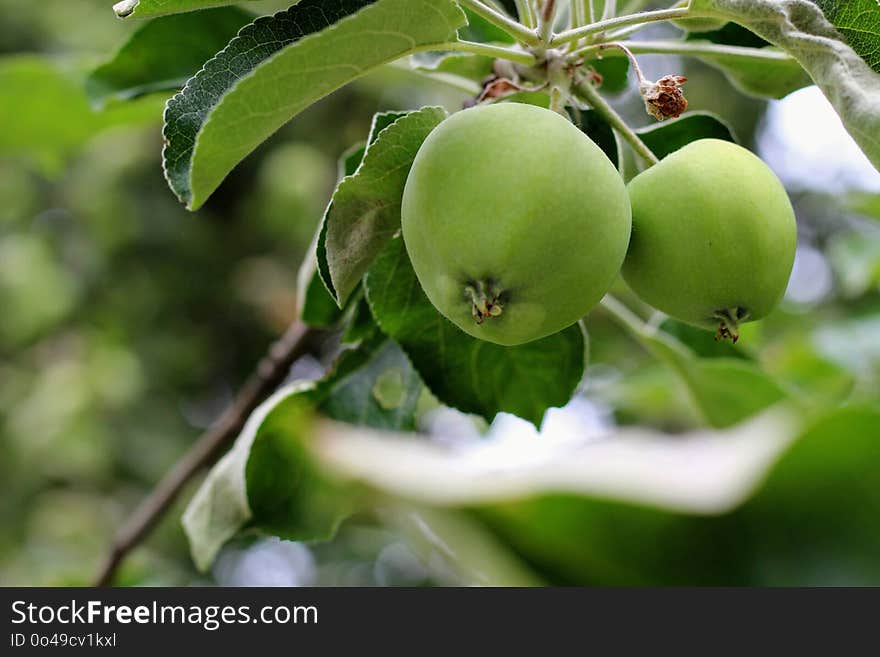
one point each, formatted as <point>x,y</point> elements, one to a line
<point>268,375</point>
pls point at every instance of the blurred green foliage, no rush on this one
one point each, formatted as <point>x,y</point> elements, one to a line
<point>126,323</point>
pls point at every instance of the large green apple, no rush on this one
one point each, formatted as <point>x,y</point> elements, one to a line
<point>713,237</point>
<point>516,223</point>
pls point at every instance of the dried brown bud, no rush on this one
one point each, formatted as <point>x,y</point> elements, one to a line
<point>664,99</point>
<point>498,88</point>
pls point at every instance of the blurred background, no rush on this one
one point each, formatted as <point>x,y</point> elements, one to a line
<point>127,323</point>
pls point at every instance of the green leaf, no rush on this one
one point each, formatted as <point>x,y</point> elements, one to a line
<point>463,372</point>
<point>855,257</point>
<point>701,472</point>
<point>816,380</point>
<point>584,513</point>
<point>800,28</point>
<point>153,8</point>
<point>701,342</point>
<point>164,53</point>
<point>729,391</point>
<point>863,203</point>
<point>220,507</point>
<point>364,213</point>
<point>834,464</point>
<point>278,66</point>
<point>317,306</point>
<point>762,77</point>
<point>730,35</point>
<point>667,137</point>
<point>269,481</point>
<point>614,72</point>
<point>464,65</point>
<point>814,522</point>
<point>374,385</point>
<point>479,29</point>
<point>188,111</point>
<point>596,128</point>
<point>479,559</point>
<point>726,390</point>
<point>348,165</point>
<point>360,324</point>
<point>289,495</point>
<point>45,114</point>
<point>859,23</point>
<point>774,501</point>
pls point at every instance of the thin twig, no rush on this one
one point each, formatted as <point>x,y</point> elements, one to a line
<point>586,91</point>
<point>545,24</point>
<point>268,375</point>
<point>621,21</point>
<point>705,49</point>
<point>743,53</point>
<point>486,49</point>
<point>578,18</point>
<point>625,316</point>
<point>525,13</point>
<point>512,27</point>
<point>578,15</point>
<point>640,77</point>
<point>610,9</point>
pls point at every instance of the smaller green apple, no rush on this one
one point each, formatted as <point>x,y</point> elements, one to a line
<point>714,236</point>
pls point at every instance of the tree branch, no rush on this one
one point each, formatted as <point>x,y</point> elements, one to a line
<point>268,375</point>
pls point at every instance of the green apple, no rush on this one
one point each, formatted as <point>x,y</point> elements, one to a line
<point>713,238</point>
<point>516,223</point>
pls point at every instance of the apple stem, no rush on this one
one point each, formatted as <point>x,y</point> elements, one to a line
<point>598,27</point>
<point>640,77</point>
<point>585,91</point>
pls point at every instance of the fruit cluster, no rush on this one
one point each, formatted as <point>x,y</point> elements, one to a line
<point>517,224</point>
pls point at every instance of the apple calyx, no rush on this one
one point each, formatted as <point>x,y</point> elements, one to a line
<point>728,326</point>
<point>486,300</point>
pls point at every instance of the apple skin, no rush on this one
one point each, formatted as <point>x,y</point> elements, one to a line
<point>714,234</point>
<point>512,204</point>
